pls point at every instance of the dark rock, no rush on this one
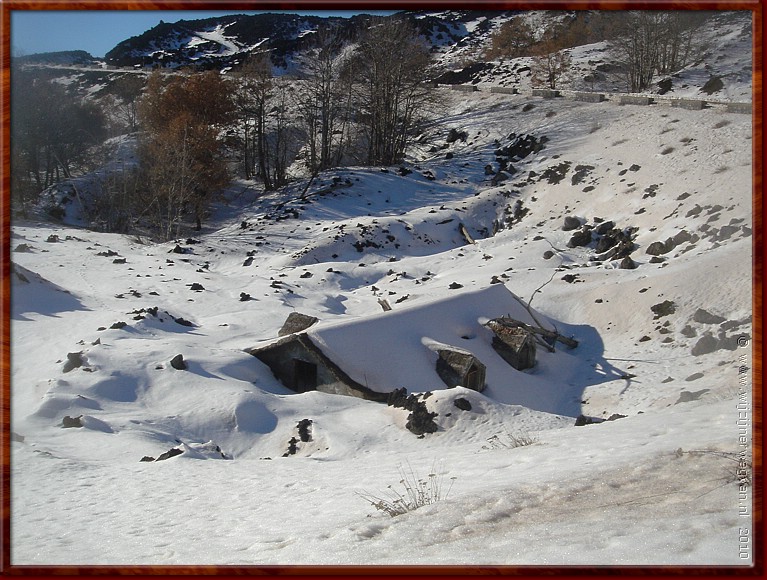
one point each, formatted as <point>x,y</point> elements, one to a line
<point>74,361</point>
<point>421,420</point>
<point>305,430</point>
<point>571,223</point>
<point>706,345</point>
<point>462,404</point>
<point>556,173</point>
<point>397,398</point>
<point>500,177</point>
<point>705,317</point>
<point>146,458</point>
<point>580,238</point>
<point>628,264</point>
<point>657,248</point>
<point>604,227</point>
<point>244,297</point>
<point>52,239</point>
<point>175,451</point>
<point>713,85</point>
<point>456,135</point>
<point>196,287</point>
<point>584,420</point>
<point>70,422</point>
<point>178,362</point>
<point>616,416</point>
<point>548,254</point>
<point>665,308</point>
<point>292,447</point>
<point>605,243</point>
<point>296,322</point>
<point>689,332</point>
<point>687,396</point>
<point>455,286</point>
<point>664,86</point>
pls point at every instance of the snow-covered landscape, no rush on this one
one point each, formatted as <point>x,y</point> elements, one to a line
<point>628,442</point>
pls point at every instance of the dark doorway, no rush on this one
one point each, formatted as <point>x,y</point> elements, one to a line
<point>304,376</point>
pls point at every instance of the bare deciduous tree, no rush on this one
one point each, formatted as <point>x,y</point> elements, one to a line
<point>182,164</point>
<point>654,42</point>
<point>390,88</point>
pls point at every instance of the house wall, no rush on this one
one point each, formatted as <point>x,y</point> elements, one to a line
<point>520,358</point>
<point>281,357</point>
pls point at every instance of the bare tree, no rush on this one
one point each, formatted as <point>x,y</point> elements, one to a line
<point>128,89</point>
<point>265,107</point>
<point>513,39</point>
<point>181,157</point>
<point>391,92</point>
<point>321,101</point>
<point>549,64</point>
<point>254,90</point>
<point>52,134</point>
<point>654,42</point>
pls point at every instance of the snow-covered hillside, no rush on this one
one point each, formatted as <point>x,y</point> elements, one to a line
<point>663,327</point>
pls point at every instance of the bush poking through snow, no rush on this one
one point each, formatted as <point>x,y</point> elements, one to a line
<point>510,440</point>
<point>738,470</point>
<point>417,492</point>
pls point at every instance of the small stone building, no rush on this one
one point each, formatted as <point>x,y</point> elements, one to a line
<point>461,369</point>
<point>445,342</point>
<point>299,365</point>
<point>515,344</point>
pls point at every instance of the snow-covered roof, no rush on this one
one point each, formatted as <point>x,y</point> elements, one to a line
<point>396,348</point>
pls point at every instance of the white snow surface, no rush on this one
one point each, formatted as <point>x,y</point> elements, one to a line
<point>654,487</point>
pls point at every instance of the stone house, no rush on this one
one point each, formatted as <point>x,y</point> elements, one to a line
<point>442,343</point>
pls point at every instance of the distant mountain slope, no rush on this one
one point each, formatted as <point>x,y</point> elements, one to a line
<point>459,40</point>
<point>65,58</point>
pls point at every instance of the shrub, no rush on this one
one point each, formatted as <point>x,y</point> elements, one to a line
<point>510,440</point>
<point>739,468</point>
<point>416,492</point>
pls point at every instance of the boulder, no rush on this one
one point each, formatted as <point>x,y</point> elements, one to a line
<point>74,361</point>
<point>462,404</point>
<point>69,422</point>
<point>580,238</point>
<point>628,264</point>
<point>604,227</point>
<point>571,223</point>
<point>704,317</point>
<point>706,345</point>
<point>657,248</point>
<point>170,453</point>
<point>178,363</point>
